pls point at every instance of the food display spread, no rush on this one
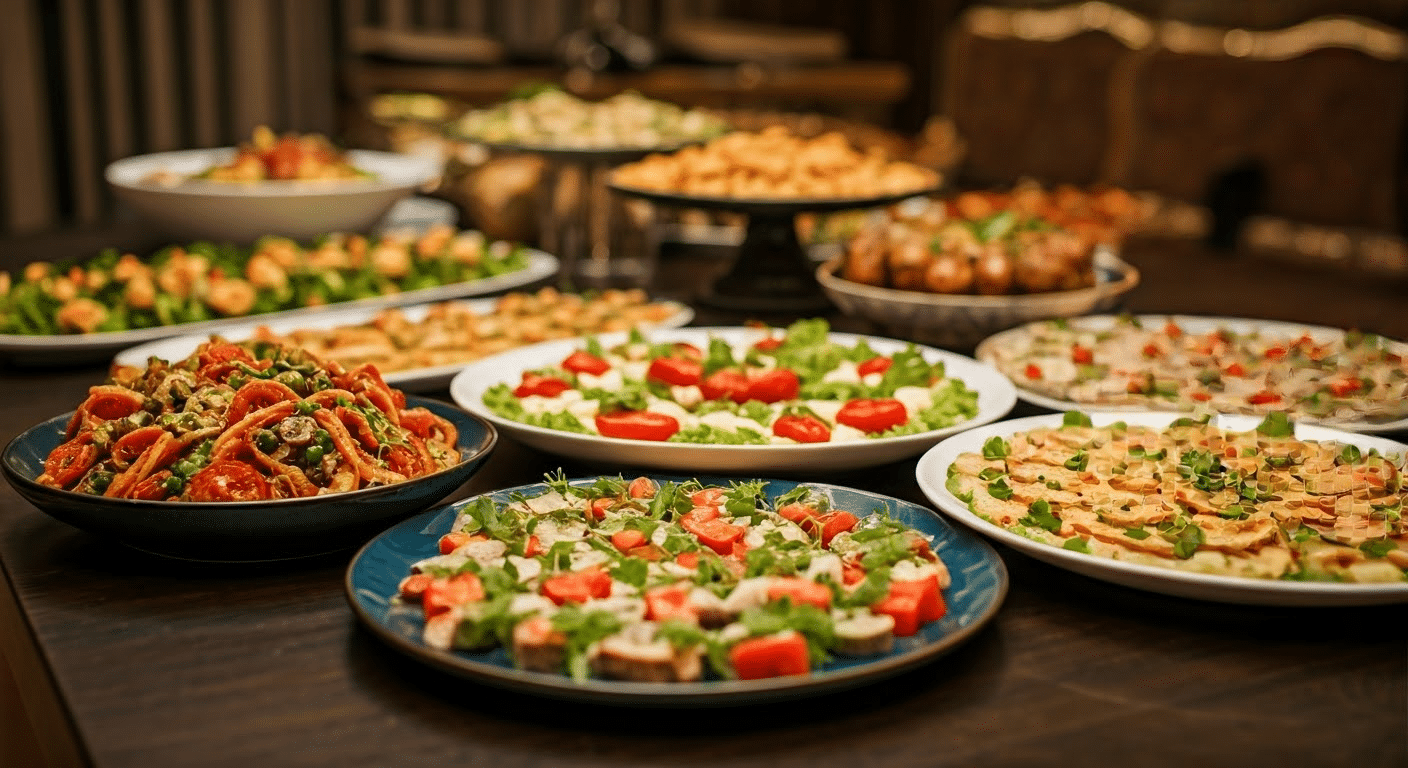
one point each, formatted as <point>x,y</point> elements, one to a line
<point>553,118</point>
<point>979,243</point>
<point>270,157</point>
<point>233,423</point>
<point>1158,363</point>
<point>1195,497</point>
<point>793,387</point>
<point>774,164</point>
<point>674,582</point>
<point>453,332</point>
<point>203,281</point>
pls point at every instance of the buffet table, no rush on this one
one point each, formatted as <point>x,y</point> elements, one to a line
<point>124,659</point>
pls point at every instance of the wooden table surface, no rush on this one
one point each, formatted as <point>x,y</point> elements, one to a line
<point>129,660</point>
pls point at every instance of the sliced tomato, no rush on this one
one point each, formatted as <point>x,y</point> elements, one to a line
<point>153,488</point>
<point>700,514</point>
<point>798,513</point>
<point>532,546</point>
<point>597,509</point>
<point>770,656</point>
<point>801,592</point>
<point>770,344</point>
<point>834,523</point>
<point>874,365</point>
<point>688,559</point>
<point>1082,355</point>
<point>707,497</point>
<point>641,488</point>
<point>542,386</point>
<point>774,386</point>
<point>803,429</point>
<point>672,602</point>
<point>228,480</point>
<point>257,395</point>
<point>637,425</point>
<point>413,587</point>
<point>456,539</point>
<point>875,415</point>
<point>675,371</point>
<point>627,539</point>
<point>725,384</point>
<point>585,362</point>
<point>443,594</point>
<point>647,552</point>
<point>577,586</point>
<point>67,463</point>
<point>716,534</point>
<point>1342,387</point>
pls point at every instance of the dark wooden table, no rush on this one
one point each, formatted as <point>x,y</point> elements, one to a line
<point>129,660</point>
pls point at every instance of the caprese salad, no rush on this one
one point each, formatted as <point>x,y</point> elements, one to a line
<point>655,581</point>
<point>791,387</point>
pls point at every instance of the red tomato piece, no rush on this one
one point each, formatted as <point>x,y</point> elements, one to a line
<point>700,514</point>
<point>641,488</point>
<point>770,656</point>
<point>585,362</point>
<point>1275,353</point>
<point>456,539</point>
<point>637,425</point>
<point>1152,350</point>
<point>647,552</point>
<point>797,512</point>
<point>800,592</point>
<point>257,395</point>
<point>1172,330</point>
<point>1342,387</point>
<point>688,559</point>
<point>872,415</point>
<point>597,509</point>
<point>1032,371</point>
<point>836,522</point>
<point>67,463</point>
<point>803,429</point>
<point>774,386</point>
<point>770,344</point>
<point>707,497</point>
<point>542,386</point>
<point>413,586</point>
<point>443,594</point>
<point>132,444</point>
<point>627,539</point>
<point>577,586</point>
<point>725,384</point>
<point>1235,369</point>
<point>675,371</point>
<point>228,480</point>
<point>533,546</point>
<point>672,602</point>
<point>1201,397</point>
<point>153,488</point>
<point>874,365</point>
<point>1081,354</point>
<point>1263,397</point>
<point>715,534</point>
<point>852,574</point>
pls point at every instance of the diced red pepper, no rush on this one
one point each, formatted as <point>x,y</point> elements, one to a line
<point>1275,353</point>
<point>1201,397</point>
<point>1342,387</point>
<point>1152,350</point>
<point>1263,397</point>
<point>852,574</point>
<point>1032,371</point>
<point>1081,354</point>
<point>1235,369</point>
<point>769,344</point>
<point>770,656</point>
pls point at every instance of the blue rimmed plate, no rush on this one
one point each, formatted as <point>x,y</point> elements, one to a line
<point>977,590</point>
<point>252,531</point>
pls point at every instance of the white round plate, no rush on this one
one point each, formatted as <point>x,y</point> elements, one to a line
<point>411,379</point>
<point>93,347</point>
<point>996,396</point>
<point>932,474</point>
<point>245,211</point>
<point>1196,324</point>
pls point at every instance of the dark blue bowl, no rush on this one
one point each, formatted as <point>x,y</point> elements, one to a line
<point>277,529</point>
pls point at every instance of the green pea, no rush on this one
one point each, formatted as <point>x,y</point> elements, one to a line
<point>266,441</point>
<point>313,455</point>
<point>174,484</point>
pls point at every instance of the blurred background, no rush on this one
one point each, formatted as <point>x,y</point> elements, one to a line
<point>1269,124</point>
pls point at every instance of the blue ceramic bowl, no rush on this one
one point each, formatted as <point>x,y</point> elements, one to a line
<point>244,531</point>
<point>978,587</point>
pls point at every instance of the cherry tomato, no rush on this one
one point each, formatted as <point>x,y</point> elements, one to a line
<point>543,386</point>
<point>874,365</point>
<point>803,429</point>
<point>774,386</point>
<point>151,489</point>
<point>770,344</point>
<point>132,444</point>
<point>585,362</point>
<point>1081,354</point>
<point>872,415</point>
<point>637,425</point>
<point>257,395</point>
<point>725,384</point>
<point>641,488</point>
<point>228,480</point>
<point>69,461</point>
<point>675,371</point>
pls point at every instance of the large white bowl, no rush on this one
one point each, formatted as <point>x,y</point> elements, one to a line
<point>242,212</point>
<point>960,321</point>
